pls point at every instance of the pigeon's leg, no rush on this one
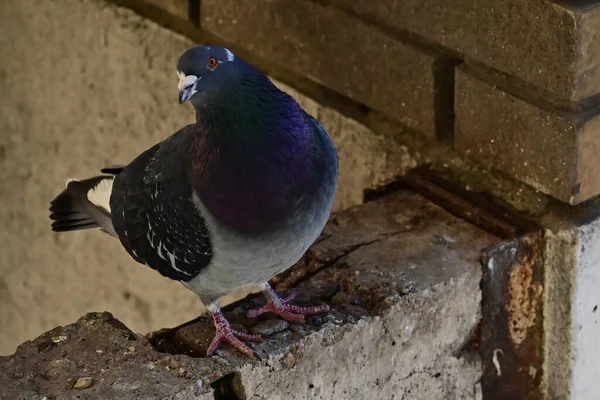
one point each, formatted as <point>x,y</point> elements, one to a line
<point>282,307</point>
<point>224,332</point>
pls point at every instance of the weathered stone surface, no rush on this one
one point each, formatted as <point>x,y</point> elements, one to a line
<point>82,89</point>
<point>335,49</point>
<point>98,347</point>
<point>270,327</point>
<point>179,8</point>
<point>413,302</point>
<point>548,44</point>
<point>555,153</point>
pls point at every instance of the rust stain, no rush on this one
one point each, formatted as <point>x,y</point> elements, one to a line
<point>511,327</point>
<point>524,296</point>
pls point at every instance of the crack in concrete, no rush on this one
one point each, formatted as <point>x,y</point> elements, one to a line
<point>345,253</point>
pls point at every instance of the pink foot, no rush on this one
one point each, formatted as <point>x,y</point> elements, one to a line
<point>281,307</point>
<point>224,332</point>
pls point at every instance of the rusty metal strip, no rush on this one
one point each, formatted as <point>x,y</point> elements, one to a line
<point>511,329</point>
<point>476,208</point>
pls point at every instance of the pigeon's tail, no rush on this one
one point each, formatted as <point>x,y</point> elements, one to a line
<point>83,205</point>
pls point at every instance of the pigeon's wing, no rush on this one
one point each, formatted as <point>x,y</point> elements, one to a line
<point>154,215</point>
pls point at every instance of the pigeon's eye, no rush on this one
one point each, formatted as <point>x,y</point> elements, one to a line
<point>212,62</point>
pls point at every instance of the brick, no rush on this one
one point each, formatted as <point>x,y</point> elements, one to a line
<point>555,152</point>
<point>178,8</point>
<point>334,49</point>
<point>554,47</point>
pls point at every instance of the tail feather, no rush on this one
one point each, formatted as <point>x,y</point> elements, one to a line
<point>67,226</point>
<point>70,215</point>
<point>72,209</point>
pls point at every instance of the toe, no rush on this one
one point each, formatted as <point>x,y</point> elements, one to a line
<point>241,347</point>
<point>290,298</point>
<point>255,312</point>
<point>214,345</point>
<point>290,316</point>
<point>308,310</point>
<point>247,337</point>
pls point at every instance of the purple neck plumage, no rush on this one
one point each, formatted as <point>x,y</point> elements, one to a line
<point>252,159</point>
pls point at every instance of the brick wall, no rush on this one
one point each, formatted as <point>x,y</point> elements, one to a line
<point>512,84</point>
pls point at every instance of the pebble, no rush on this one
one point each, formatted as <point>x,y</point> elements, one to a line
<point>439,240</point>
<point>301,333</point>
<point>334,317</point>
<point>149,366</point>
<point>84,383</point>
<point>38,397</point>
<point>59,368</point>
<point>270,327</point>
<point>289,360</point>
<point>314,320</point>
<point>58,339</point>
<point>193,340</point>
<point>283,336</point>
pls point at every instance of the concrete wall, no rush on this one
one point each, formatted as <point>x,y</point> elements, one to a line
<point>85,84</point>
<point>572,317</point>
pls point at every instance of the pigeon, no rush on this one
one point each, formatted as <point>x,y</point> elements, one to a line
<point>227,202</point>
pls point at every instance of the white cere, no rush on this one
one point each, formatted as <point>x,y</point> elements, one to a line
<point>230,55</point>
<point>186,81</point>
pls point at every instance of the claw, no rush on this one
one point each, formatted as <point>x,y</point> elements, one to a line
<point>235,338</point>
<point>281,307</point>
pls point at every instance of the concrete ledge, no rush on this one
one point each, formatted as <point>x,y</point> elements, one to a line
<point>402,276</point>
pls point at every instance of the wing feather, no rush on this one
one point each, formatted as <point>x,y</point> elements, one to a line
<point>154,215</point>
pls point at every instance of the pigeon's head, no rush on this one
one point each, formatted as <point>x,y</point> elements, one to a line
<point>206,70</point>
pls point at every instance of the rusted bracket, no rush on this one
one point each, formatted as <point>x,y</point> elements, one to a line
<point>509,337</point>
<point>511,327</point>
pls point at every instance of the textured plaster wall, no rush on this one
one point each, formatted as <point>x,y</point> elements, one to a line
<point>85,84</point>
<point>586,317</point>
<point>572,323</point>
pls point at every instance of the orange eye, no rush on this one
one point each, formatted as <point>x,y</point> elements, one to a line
<point>212,62</point>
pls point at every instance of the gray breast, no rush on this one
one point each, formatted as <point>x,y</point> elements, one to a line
<point>240,260</point>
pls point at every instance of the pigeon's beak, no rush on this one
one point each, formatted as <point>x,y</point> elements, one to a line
<point>187,87</point>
